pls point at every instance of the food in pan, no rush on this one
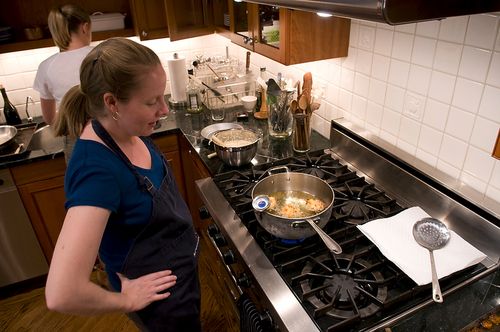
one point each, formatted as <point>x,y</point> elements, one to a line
<point>294,204</point>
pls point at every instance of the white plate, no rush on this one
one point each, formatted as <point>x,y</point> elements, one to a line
<point>208,131</point>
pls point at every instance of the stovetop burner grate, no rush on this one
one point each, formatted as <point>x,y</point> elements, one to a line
<point>352,290</point>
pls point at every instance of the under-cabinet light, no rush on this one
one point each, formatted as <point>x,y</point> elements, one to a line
<point>321,14</point>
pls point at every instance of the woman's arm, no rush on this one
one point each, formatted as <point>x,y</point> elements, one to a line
<point>48,110</point>
<point>69,288</point>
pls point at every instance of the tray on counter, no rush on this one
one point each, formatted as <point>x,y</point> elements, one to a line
<point>23,136</point>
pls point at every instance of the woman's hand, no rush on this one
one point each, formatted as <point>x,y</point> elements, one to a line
<point>146,289</point>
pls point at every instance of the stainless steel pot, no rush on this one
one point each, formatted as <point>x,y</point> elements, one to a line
<point>294,228</point>
<point>236,147</point>
<point>7,134</point>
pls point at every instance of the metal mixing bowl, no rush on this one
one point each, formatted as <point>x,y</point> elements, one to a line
<point>7,134</point>
<point>238,155</point>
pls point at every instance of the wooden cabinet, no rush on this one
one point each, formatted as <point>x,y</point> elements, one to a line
<point>149,18</point>
<point>288,36</point>
<point>188,19</point>
<point>169,145</point>
<point>30,13</point>
<point>41,187</point>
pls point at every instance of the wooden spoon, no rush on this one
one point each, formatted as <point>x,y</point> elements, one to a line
<point>303,103</point>
<point>293,106</point>
<point>218,141</point>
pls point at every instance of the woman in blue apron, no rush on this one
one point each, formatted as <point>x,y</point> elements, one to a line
<point>122,199</point>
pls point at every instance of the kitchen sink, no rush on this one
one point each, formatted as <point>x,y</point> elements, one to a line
<point>44,139</point>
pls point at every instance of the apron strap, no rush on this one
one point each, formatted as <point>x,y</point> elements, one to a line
<point>144,182</point>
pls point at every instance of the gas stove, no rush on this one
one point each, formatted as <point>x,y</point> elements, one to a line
<point>298,285</point>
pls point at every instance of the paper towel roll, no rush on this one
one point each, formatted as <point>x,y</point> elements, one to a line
<point>177,74</point>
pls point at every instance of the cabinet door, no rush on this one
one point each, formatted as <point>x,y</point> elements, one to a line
<point>241,16</point>
<point>188,19</point>
<point>270,25</point>
<point>193,170</point>
<point>44,203</point>
<point>150,18</point>
<point>174,160</point>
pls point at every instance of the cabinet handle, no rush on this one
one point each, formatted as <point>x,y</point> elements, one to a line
<point>144,33</point>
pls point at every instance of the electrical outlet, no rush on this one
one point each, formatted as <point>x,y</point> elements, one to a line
<point>496,149</point>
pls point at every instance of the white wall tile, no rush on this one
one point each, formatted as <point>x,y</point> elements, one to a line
<point>398,73</point>
<point>493,193</point>
<point>441,86</point>
<point>430,140</point>
<point>495,176</point>
<point>460,124</point>
<point>359,107</point>
<point>374,114</point>
<point>383,41</point>
<point>472,182</point>
<point>453,151</point>
<point>474,63</point>
<point>364,62</point>
<point>405,146</point>
<point>414,105</point>
<point>436,114</point>
<point>423,51</point>
<point>409,131</point>
<point>453,29</point>
<point>391,121</point>
<point>481,31</point>
<point>402,46</point>
<point>426,157</point>
<point>361,85</point>
<point>366,37</point>
<point>479,164</point>
<point>497,43</point>
<point>347,79</point>
<point>493,77</point>
<point>447,57</point>
<point>490,102</point>
<point>380,67</point>
<point>428,29</point>
<point>395,98</point>
<point>390,138</point>
<point>377,91</point>
<point>419,79</point>
<point>467,95</point>
<point>451,170</point>
<point>484,134</point>
<point>345,99</point>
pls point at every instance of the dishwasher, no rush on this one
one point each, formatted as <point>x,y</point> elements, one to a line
<point>21,257</point>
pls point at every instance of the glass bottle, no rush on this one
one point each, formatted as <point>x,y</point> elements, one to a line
<point>9,110</point>
<point>261,109</point>
<point>193,95</point>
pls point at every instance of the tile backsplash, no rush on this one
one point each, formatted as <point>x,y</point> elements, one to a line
<point>432,89</point>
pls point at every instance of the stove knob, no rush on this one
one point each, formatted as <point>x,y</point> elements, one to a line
<point>228,257</point>
<point>204,214</point>
<point>243,280</point>
<point>219,240</point>
<point>266,320</point>
<point>212,230</point>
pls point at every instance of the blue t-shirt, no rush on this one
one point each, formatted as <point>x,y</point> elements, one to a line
<point>96,176</point>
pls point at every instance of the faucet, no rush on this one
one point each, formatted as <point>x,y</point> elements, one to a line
<point>29,117</point>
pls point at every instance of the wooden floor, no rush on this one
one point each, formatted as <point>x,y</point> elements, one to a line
<point>28,312</point>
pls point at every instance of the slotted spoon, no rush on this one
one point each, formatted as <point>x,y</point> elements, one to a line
<point>432,234</point>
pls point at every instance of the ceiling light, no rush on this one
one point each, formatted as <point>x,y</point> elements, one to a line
<point>322,14</point>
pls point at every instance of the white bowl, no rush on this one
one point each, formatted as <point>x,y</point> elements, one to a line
<point>249,102</point>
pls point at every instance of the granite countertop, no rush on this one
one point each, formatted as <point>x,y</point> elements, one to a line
<point>190,125</point>
<point>269,149</point>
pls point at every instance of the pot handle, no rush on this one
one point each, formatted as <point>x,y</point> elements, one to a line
<point>272,169</point>
<point>330,243</point>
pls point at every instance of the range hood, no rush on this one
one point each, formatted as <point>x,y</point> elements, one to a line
<point>391,11</point>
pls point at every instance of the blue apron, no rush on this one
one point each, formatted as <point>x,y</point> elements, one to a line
<point>168,241</point>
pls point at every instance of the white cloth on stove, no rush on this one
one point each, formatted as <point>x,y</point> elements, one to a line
<point>394,238</point>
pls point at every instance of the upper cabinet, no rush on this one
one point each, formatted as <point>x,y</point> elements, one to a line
<point>288,36</point>
<point>16,16</point>
<point>149,19</point>
<point>188,19</point>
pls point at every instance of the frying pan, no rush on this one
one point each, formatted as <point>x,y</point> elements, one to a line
<point>7,134</point>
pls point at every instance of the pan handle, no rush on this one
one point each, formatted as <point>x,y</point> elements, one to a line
<point>272,169</point>
<point>330,243</point>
